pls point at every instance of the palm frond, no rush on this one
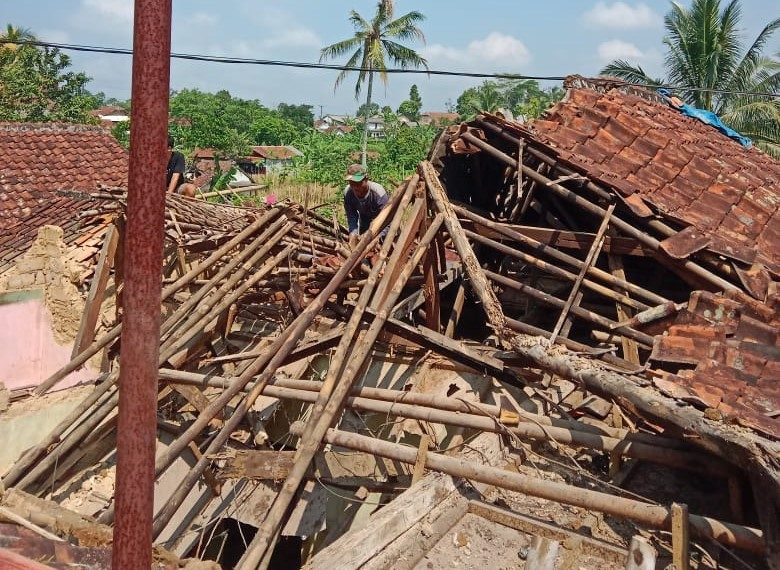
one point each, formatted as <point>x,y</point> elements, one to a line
<point>405,27</point>
<point>339,48</point>
<point>403,56</point>
<point>631,74</point>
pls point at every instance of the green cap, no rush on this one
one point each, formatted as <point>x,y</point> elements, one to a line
<point>356,173</point>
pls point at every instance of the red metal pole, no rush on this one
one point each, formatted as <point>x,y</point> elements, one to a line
<point>137,428</point>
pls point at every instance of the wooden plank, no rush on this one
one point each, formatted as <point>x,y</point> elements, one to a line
<point>422,454</point>
<point>97,290</point>
<point>680,537</point>
<point>355,549</point>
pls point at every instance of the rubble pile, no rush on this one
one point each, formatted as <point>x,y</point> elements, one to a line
<point>512,371</point>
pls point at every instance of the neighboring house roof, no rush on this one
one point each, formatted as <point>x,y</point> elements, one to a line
<point>205,170</point>
<point>39,158</point>
<point>276,152</point>
<point>655,156</point>
<point>437,118</point>
<point>203,154</point>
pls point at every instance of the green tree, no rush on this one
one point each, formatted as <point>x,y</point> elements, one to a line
<point>368,110</point>
<point>412,106</point>
<point>707,59</point>
<point>37,85</point>
<point>302,116</point>
<point>373,43</point>
<point>484,98</point>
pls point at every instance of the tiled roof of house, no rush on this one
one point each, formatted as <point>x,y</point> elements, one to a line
<point>276,152</point>
<point>682,167</point>
<point>39,158</point>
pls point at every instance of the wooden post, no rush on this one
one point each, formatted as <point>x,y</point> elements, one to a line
<point>457,309</point>
<point>630,348</point>
<point>680,540</point>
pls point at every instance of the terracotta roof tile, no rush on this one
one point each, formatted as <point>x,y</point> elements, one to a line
<point>691,171</point>
<point>39,158</point>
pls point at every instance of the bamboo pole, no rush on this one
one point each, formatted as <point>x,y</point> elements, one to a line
<point>274,357</point>
<point>477,279</point>
<point>482,417</point>
<point>445,403</point>
<point>563,257</point>
<point>654,516</point>
<point>681,266</point>
<point>264,540</point>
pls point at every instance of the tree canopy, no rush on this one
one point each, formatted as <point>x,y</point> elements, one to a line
<point>523,98</point>
<point>412,106</point>
<point>36,83</point>
<point>707,59</point>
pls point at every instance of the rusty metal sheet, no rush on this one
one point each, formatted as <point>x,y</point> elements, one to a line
<point>685,242</point>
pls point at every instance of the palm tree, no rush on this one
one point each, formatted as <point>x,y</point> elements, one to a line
<point>705,52</point>
<point>13,38</point>
<point>373,43</point>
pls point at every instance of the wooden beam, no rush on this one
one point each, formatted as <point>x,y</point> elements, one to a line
<point>477,279</point>
<point>97,290</point>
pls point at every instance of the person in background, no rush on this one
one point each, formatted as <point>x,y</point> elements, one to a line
<point>175,182</point>
<point>363,200</point>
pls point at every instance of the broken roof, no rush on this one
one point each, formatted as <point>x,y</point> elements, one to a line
<point>686,170</point>
<point>39,158</point>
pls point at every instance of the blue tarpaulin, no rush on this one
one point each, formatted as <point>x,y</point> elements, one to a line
<point>707,117</point>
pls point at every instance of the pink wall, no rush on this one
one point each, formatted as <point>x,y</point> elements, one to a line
<point>28,351</point>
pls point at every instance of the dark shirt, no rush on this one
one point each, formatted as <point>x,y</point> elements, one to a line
<point>175,164</point>
<point>361,212</point>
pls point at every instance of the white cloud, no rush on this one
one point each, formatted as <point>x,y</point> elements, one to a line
<point>618,49</point>
<point>621,15</point>
<point>117,10</point>
<point>292,37</point>
<point>202,19</point>
<point>496,48</point>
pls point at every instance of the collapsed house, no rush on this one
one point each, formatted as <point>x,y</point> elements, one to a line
<point>564,354</point>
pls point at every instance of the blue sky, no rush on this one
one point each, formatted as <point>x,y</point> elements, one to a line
<point>555,37</point>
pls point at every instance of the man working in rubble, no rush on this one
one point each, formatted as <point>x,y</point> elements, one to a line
<point>175,182</point>
<point>363,200</point>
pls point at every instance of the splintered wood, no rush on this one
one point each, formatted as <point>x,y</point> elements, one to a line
<point>294,373</point>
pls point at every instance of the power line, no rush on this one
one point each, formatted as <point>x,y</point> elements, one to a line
<point>337,67</point>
